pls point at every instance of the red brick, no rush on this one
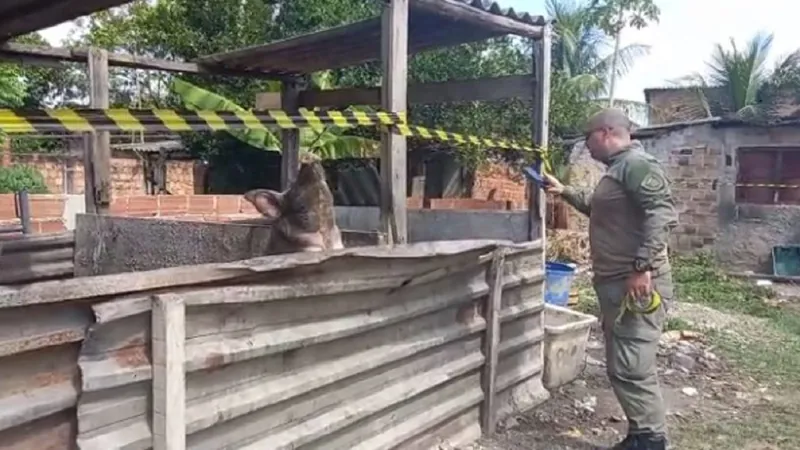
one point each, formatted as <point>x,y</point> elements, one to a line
<point>50,226</point>
<point>246,207</point>
<point>467,204</point>
<point>202,204</point>
<point>7,210</point>
<point>46,206</point>
<point>414,203</point>
<point>228,204</point>
<point>171,205</point>
<point>119,206</point>
<point>142,205</point>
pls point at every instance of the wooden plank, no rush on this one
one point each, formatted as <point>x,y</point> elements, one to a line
<point>537,200</point>
<point>169,379</point>
<point>492,342</point>
<point>461,11</point>
<point>98,172</point>
<point>33,16</point>
<point>52,56</point>
<point>394,56</point>
<point>483,89</point>
<point>290,138</point>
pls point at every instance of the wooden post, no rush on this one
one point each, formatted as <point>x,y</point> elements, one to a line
<point>169,380</point>
<point>540,123</point>
<point>394,56</point>
<point>491,343</point>
<point>290,139</point>
<point>97,153</point>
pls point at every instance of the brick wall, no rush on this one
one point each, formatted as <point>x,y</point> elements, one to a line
<point>500,183</point>
<point>693,171</point>
<point>47,212</point>
<point>127,174</point>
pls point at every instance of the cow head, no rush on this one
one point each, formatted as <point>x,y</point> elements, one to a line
<point>302,217</point>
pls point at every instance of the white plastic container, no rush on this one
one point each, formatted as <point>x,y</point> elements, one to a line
<point>566,336</point>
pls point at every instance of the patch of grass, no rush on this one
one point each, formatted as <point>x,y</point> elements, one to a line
<point>698,280</point>
<point>677,324</point>
<point>768,352</point>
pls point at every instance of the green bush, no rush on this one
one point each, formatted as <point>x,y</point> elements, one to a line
<point>18,177</point>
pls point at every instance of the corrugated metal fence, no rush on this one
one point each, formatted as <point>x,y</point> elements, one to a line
<point>369,348</point>
<point>31,258</point>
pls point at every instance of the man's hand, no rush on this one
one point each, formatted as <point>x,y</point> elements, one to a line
<point>640,285</point>
<point>553,185</point>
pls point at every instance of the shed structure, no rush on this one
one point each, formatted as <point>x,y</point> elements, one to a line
<point>406,27</point>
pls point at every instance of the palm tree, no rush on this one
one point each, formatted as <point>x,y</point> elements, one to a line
<point>583,52</point>
<point>747,86</point>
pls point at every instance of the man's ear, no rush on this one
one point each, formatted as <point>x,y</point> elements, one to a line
<point>268,202</point>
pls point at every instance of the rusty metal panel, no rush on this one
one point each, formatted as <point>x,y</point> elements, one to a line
<point>373,349</point>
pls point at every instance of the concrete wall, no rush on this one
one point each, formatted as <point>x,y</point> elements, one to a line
<point>702,162</point>
<point>434,225</point>
<point>108,244</point>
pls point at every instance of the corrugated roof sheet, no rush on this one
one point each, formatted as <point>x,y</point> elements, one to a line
<point>511,13</point>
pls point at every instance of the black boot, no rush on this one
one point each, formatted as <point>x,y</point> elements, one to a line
<point>640,442</point>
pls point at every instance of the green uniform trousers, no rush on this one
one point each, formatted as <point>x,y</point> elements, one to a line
<point>631,348</point>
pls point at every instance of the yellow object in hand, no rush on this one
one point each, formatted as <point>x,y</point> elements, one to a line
<point>643,305</point>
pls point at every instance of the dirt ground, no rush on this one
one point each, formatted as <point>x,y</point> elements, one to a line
<point>712,402</point>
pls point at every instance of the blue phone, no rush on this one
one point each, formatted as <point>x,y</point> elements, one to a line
<point>534,173</point>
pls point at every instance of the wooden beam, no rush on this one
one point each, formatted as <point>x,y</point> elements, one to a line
<point>491,343</point>
<point>540,123</point>
<point>394,57</point>
<point>35,15</point>
<point>97,160</point>
<point>169,379</point>
<point>52,56</point>
<point>461,11</point>
<point>290,138</point>
<point>482,89</point>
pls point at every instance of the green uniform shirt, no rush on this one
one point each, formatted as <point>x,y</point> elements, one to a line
<point>631,213</point>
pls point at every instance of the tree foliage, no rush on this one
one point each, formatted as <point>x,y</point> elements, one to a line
<point>19,177</point>
<point>187,29</point>
<point>751,89</point>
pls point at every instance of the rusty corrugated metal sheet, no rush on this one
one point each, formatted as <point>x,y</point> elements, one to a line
<point>369,348</point>
<point>31,258</point>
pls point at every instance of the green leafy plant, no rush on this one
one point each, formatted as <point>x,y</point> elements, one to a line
<point>327,142</point>
<point>19,177</point>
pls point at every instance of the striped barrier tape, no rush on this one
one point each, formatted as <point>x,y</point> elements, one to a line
<point>66,120</point>
<point>15,121</point>
<point>767,185</point>
<point>447,136</point>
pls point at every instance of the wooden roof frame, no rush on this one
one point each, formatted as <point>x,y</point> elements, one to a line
<point>19,17</point>
<point>405,27</point>
<point>431,24</point>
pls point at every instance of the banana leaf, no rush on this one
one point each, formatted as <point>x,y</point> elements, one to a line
<point>327,142</point>
<point>194,97</point>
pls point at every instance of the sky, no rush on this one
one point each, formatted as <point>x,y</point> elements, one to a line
<point>682,41</point>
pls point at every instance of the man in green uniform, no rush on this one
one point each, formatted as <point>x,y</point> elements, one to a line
<point>631,213</point>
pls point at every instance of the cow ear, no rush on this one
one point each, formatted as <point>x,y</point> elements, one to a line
<point>268,202</point>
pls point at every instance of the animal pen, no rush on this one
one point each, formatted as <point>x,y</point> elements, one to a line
<point>187,341</point>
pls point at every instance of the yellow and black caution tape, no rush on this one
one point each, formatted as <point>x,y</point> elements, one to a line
<point>768,185</point>
<point>14,121</point>
<point>66,120</point>
<point>446,136</point>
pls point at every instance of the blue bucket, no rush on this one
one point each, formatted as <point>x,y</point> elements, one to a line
<point>557,283</point>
